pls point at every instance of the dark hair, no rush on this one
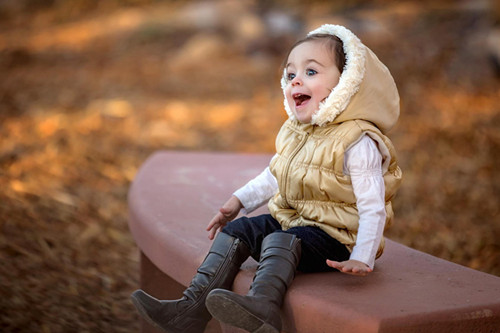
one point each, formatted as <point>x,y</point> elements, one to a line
<point>333,42</point>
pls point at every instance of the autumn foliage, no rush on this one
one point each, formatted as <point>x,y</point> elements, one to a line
<point>88,92</point>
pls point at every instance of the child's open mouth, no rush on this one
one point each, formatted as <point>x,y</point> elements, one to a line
<point>301,99</point>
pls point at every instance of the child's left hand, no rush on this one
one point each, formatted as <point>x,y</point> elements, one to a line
<point>352,267</point>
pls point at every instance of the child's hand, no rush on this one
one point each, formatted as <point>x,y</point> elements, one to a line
<point>226,214</point>
<point>352,267</point>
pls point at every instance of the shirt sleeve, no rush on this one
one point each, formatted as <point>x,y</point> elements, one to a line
<point>257,191</point>
<point>363,162</point>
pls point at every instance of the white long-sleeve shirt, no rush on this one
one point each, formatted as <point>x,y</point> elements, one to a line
<point>363,162</point>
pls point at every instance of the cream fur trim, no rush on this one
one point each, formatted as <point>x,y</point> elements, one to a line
<point>350,79</point>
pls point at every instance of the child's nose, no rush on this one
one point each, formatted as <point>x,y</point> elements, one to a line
<point>296,81</point>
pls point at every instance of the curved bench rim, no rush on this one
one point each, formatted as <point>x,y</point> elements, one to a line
<point>407,289</point>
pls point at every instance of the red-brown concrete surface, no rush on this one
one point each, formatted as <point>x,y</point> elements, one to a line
<point>175,194</point>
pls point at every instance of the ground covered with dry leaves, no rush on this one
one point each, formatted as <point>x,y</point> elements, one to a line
<point>88,92</point>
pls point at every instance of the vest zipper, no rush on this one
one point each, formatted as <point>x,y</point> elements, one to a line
<point>287,167</point>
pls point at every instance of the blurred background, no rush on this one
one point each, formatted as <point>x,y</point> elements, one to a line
<point>89,89</point>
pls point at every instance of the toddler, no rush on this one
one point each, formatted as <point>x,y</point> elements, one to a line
<point>328,187</point>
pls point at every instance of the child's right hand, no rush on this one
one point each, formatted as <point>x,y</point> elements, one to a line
<point>226,214</point>
<point>353,267</point>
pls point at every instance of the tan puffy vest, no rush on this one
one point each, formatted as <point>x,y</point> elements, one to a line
<point>313,190</point>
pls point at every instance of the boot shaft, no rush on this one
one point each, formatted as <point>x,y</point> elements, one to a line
<point>280,255</point>
<point>219,267</point>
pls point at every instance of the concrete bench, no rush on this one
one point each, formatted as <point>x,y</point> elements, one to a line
<point>175,194</point>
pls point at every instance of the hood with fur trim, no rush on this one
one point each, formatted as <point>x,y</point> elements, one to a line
<point>366,89</point>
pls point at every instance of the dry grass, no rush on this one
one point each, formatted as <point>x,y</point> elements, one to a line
<point>86,97</point>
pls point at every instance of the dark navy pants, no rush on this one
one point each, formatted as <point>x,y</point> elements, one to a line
<point>317,245</point>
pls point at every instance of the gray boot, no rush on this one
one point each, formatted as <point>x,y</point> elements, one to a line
<point>189,314</point>
<point>259,310</point>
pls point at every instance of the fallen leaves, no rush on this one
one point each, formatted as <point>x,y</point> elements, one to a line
<point>79,117</point>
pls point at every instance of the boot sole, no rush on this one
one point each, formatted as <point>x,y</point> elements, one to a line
<point>230,312</point>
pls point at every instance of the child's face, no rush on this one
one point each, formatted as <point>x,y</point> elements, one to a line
<point>311,73</point>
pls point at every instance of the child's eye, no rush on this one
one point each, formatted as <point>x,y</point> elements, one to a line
<point>290,76</point>
<point>311,72</point>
